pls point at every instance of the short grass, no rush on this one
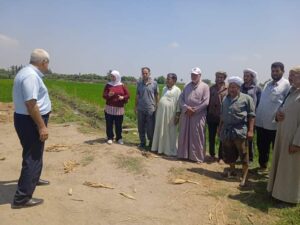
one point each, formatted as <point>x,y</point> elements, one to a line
<point>132,164</point>
<point>6,90</point>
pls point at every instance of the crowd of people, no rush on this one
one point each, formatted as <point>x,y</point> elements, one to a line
<point>174,123</point>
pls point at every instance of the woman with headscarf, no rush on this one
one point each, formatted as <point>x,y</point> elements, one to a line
<point>116,95</point>
<point>167,116</point>
<point>284,178</point>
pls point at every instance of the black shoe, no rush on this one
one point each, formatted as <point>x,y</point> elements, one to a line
<point>42,182</point>
<point>30,203</point>
<point>141,146</point>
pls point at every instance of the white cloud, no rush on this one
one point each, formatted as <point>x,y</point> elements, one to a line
<point>6,41</point>
<point>173,44</point>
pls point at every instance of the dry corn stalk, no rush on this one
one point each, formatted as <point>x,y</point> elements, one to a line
<point>127,196</point>
<point>182,181</point>
<point>70,165</point>
<point>97,185</point>
<point>57,148</point>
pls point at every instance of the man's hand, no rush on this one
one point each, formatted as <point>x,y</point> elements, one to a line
<point>250,135</point>
<point>37,118</point>
<point>190,111</point>
<point>294,149</point>
<point>43,134</point>
<point>279,116</point>
<point>121,97</point>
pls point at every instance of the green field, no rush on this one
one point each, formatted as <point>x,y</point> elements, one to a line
<point>6,90</point>
<point>88,92</point>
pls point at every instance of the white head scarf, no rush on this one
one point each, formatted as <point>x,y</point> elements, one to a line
<point>253,73</point>
<point>235,79</point>
<point>117,75</point>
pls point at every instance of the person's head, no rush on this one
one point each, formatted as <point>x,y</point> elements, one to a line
<point>171,79</point>
<point>115,76</point>
<point>234,86</point>
<point>221,77</point>
<point>250,76</point>
<point>277,71</point>
<point>40,58</point>
<point>146,72</point>
<point>195,75</point>
<point>294,77</point>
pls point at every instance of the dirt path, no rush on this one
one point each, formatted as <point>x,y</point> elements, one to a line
<point>147,179</point>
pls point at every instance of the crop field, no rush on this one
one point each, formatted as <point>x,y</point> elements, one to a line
<point>88,92</point>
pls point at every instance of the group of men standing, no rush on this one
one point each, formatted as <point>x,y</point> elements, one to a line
<point>232,111</point>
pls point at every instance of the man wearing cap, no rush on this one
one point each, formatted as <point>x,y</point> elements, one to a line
<point>145,106</point>
<point>193,103</point>
<point>272,97</point>
<point>236,126</point>
<point>250,88</point>
<point>217,93</point>
<point>32,109</point>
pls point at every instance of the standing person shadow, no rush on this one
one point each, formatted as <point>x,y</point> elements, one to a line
<point>7,191</point>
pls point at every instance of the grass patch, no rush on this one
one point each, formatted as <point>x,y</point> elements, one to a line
<point>134,165</point>
<point>87,160</point>
<point>176,172</point>
<point>221,192</point>
<point>6,90</point>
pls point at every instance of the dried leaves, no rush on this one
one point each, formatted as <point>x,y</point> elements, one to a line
<point>70,166</point>
<point>97,185</point>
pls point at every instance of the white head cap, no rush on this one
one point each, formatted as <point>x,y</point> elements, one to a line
<point>196,70</point>
<point>253,73</point>
<point>235,79</point>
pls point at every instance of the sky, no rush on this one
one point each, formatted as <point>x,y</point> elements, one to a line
<point>89,36</point>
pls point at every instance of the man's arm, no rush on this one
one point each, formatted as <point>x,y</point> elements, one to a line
<point>34,112</point>
<point>250,133</point>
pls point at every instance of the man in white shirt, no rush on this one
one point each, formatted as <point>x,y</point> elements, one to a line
<point>32,109</point>
<point>271,99</point>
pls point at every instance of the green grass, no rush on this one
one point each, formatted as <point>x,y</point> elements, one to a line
<point>6,90</point>
<point>134,165</point>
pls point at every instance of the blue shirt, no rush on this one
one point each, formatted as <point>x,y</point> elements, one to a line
<point>28,85</point>
<point>146,95</point>
<point>271,98</point>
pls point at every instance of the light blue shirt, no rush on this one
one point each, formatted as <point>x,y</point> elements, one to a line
<point>271,98</point>
<point>28,85</point>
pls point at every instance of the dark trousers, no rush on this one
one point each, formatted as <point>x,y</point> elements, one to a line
<point>146,124</point>
<point>264,139</point>
<point>110,121</point>
<point>32,155</point>
<point>212,131</point>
